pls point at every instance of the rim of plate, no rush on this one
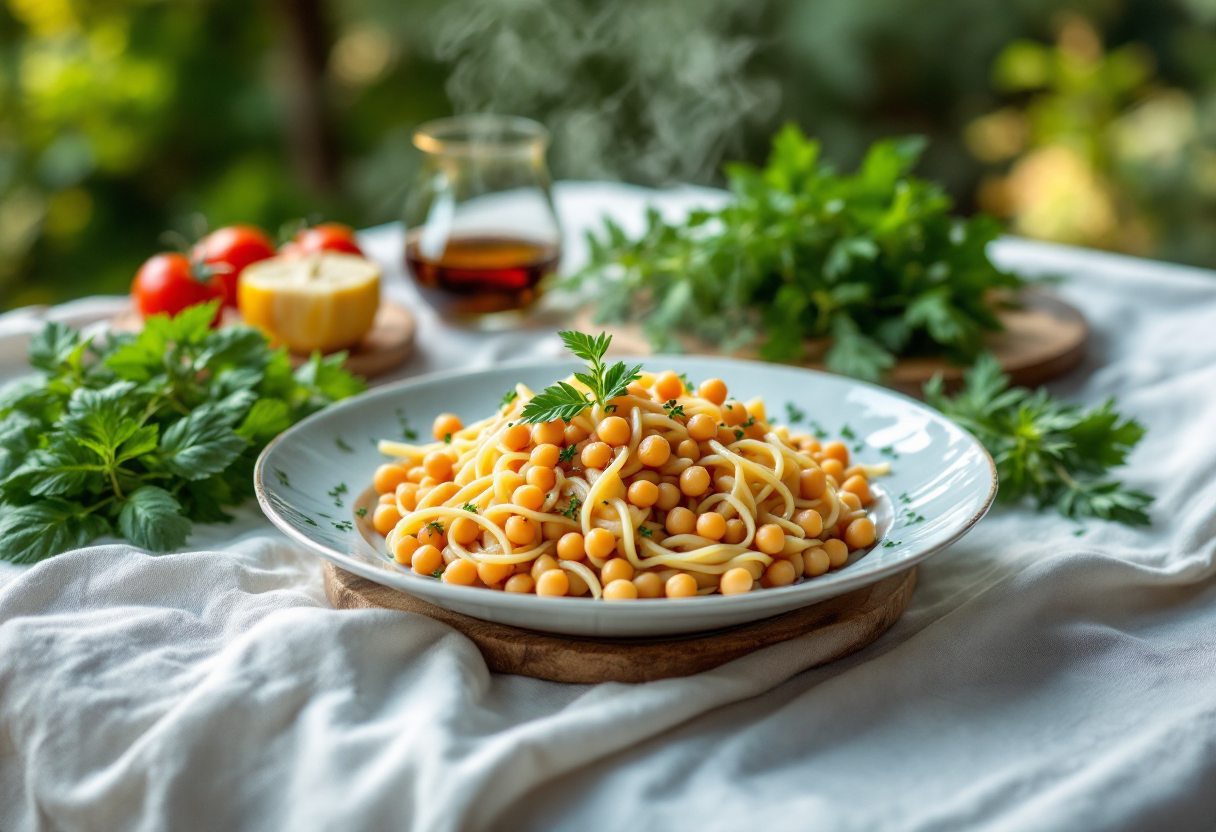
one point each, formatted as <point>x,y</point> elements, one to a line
<point>843,581</point>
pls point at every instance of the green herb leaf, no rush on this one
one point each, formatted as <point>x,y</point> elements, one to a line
<point>151,518</point>
<point>674,411</point>
<point>571,510</point>
<point>201,444</point>
<point>567,453</point>
<point>560,401</point>
<point>47,527</point>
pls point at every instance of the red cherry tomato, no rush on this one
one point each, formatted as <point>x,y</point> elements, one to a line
<point>167,283</point>
<point>328,236</point>
<point>229,250</point>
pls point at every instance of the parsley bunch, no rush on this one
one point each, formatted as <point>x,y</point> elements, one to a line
<point>147,434</point>
<point>872,260</point>
<point>1056,453</point>
<point>564,401</point>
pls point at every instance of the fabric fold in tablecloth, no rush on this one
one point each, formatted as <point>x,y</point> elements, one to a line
<point>1047,675</point>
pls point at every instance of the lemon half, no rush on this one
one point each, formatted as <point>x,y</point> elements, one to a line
<point>324,302</point>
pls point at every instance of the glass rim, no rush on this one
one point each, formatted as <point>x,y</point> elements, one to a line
<point>480,133</point>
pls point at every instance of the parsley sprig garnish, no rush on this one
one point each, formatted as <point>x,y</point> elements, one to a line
<point>674,411</point>
<point>564,401</point>
<point>572,509</point>
<point>1056,453</point>
<point>567,453</point>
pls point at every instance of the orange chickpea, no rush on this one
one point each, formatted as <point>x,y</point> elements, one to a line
<point>711,525</point>
<point>643,494</point>
<point>509,481</point>
<point>620,591</point>
<point>529,497</point>
<point>736,530</point>
<point>702,427</point>
<point>385,518</point>
<point>799,564</point>
<point>519,530</point>
<point>837,552</point>
<point>403,551</point>
<point>817,561</point>
<point>724,483</point>
<point>549,433</point>
<point>570,546</point>
<point>599,543</point>
<point>551,530</point>
<point>860,533</point>
<point>654,451</point>
<point>407,495</point>
<point>726,435</point>
<point>755,409</point>
<point>542,478</point>
<point>553,584</point>
<point>680,585</point>
<point>858,485</point>
<point>733,414</point>
<point>494,573</point>
<point>616,569</point>
<point>416,475</point>
<point>460,572</point>
<point>463,531</point>
<point>667,385</point>
<point>833,468</point>
<point>770,539</point>
<point>543,564</point>
<point>681,521</point>
<point>648,585</point>
<point>521,582</point>
<point>848,498</point>
<point>577,585</point>
<point>811,522</point>
<point>445,426</point>
<point>596,455</point>
<point>438,465</point>
<point>648,476</point>
<point>517,436</point>
<point>613,431</point>
<point>426,560</point>
<point>386,498</point>
<point>388,477</point>
<point>837,451</point>
<point>779,573</point>
<point>573,434</point>
<point>432,534</point>
<point>713,389</point>
<point>694,481</point>
<point>669,497</point>
<point>812,482</point>
<point>736,581</point>
<point>545,455</point>
<point>688,449</point>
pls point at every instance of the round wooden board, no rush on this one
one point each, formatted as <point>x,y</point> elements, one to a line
<point>1042,339</point>
<point>389,344</point>
<point>842,625</point>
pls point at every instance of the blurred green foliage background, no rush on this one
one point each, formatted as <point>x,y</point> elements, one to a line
<point>1090,122</point>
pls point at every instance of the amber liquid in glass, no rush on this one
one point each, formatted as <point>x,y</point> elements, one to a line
<point>478,275</point>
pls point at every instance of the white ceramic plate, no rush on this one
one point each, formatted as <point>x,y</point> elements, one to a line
<point>312,479</point>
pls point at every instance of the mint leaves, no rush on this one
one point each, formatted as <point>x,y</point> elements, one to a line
<point>564,401</point>
<point>147,435</point>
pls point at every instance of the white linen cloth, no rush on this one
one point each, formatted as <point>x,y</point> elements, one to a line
<point>1047,675</point>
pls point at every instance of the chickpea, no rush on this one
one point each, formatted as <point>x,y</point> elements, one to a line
<point>837,451</point>
<point>520,582</point>
<point>553,584</point>
<point>446,426</point>
<point>460,572</point>
<point>812,482</point>
<point>570,546</point>
<point>647,475</point>
<point>403,551</point>
<point>643,494</point>
<point>613,431</point>
<point>509,481</point>
<point>669,497</point>
<point>529,497</point>
<point>385,499</point>
<point>648,585</point>
<point>549,433</point>
<point>654,451</point>
<point>736,530</point>
<point>860,533</point>
<point>811,446</point>
<point>426,560</point>
<point>833,468</point>
<point>426,486</point>
<point>388,477</point>
<point>702,427</point>
<point>779,573</point>
<point>416,475</point>
<point>432,534</point>
<point>713,389</point>
<point>616,569</point>
<point>681,521</point>
<point>438,465</point>
<point>680,585</point>
<point>799,564</point>
<point>517,437</point>
<point>855,471</point>
<point>596,455</point>
<point>688,449</point>
<point>849,499</point>
<point>817,561</point>
<point>577,585</point>
<point>770,539</point>
<point>407,495</point>
<point>726,436</point>
<point>545,455</point>
<point>573,434</point>
<point>494,573</point>
<point>620,591</point>
<point>543,564</point>
<point>724,483</point>
<point>599,543</point>
<point>385,518</point>
<point>463,531</point>
<point>667,385</point>
<point>811,522</point>
<point>519,530</point>
<point>858,485</point>
<point>837,552</point>
<point>694,481</point>
<point>736,581</point>
<point>755,409</point>
<point>542,478</point>
<point>733,414</point>
<point>711,525</point>
<point>552,530</point>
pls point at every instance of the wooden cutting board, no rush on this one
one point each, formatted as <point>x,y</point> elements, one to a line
<point>834,629</point>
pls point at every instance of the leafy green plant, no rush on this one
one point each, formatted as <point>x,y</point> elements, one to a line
<point>1056,453</point>
<point>147,434</point>
<point>564,401</point>
<point>872,260</point>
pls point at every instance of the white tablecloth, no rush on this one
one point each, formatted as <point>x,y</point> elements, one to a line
<point>1041,679</point>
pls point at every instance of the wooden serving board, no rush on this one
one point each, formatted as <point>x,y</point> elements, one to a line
<point>389,344</point>
<point>836,628</point>
<point>1042,339</point>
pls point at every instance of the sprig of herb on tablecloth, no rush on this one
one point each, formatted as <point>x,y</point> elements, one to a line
<point>564,401</point>
<point>147,434</point>
<point>1056,453</point>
